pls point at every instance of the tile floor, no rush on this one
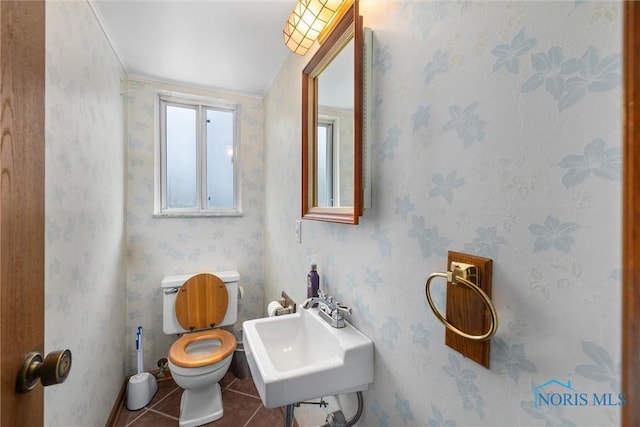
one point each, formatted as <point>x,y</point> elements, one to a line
<point>240,400</point>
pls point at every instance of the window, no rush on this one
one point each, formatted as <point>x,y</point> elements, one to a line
<point>198,158</point>
<point>325,162</point>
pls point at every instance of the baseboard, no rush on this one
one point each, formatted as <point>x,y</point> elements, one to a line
<point>117,405</point>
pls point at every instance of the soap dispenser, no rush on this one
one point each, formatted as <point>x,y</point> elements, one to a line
<point>313,281</point>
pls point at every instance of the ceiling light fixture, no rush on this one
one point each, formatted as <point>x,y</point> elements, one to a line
<point>307,20</point>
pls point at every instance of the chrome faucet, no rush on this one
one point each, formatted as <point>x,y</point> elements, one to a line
<point>330,310</point>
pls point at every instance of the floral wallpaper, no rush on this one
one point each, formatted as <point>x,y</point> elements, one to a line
<point>84,215</point>
<point>497,132</point>
<point>163,246</point>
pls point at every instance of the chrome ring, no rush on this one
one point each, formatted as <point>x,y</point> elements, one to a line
<point>482,294</point>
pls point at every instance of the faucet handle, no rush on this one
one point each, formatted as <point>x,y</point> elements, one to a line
<point>342,307</point>
<point>321,294</point>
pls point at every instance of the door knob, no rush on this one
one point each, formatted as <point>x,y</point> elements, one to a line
<point>54,369</point>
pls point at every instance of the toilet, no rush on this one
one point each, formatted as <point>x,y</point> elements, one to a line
<point>195,307</point>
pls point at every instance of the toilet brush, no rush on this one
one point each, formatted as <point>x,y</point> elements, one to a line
<point>143,385</point>
<point>139,350</point>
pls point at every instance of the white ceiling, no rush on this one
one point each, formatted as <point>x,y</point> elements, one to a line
<point>233,45</point>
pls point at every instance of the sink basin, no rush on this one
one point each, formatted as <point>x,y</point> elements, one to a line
<point>299,356</point>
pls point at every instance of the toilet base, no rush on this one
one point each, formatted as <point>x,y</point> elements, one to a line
<point>201,406</point>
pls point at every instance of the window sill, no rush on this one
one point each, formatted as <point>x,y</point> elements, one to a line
<point>197,214</point>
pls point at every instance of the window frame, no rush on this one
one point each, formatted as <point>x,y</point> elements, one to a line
<point>331,125</point>
<point>200,104</point>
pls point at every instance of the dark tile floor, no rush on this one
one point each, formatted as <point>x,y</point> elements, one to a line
<point>240,400</point>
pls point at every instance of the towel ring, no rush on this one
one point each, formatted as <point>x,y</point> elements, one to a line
<point>457,280</point>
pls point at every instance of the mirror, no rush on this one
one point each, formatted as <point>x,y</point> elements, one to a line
<point>332,106</point>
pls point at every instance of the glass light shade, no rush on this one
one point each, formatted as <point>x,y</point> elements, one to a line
<point>306,21</point>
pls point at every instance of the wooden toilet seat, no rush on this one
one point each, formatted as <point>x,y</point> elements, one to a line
<point>201,303</point>
<point>178,352</point>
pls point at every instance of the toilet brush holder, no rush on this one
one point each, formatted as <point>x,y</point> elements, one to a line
<point>140,390</point>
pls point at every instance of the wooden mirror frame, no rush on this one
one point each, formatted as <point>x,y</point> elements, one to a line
<point>350,23</point>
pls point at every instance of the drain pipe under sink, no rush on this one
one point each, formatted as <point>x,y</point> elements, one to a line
<point>337,419</point>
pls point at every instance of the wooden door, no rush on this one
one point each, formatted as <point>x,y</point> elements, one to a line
<point>631,217</point>
<point>22,44</point>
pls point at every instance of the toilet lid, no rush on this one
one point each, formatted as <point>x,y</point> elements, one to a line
<point>201,302</point>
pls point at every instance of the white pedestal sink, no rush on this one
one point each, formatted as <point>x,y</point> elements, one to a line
<point>299,356</point>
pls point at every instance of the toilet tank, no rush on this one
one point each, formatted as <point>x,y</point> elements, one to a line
<point>170,286</point>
